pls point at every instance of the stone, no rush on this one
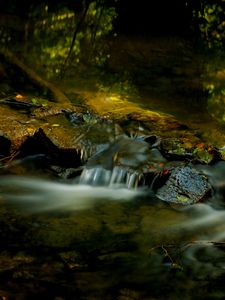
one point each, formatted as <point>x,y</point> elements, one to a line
<point>184,186</point>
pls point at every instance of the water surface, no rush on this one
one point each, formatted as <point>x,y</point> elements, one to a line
<point>110,242</point>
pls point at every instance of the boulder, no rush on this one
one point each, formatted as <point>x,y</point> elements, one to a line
<point>184,186</point>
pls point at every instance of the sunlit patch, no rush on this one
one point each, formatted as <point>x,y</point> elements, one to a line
<point>114,98</point>
<point>19,97</point>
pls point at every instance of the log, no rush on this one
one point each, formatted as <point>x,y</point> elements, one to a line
<point>58,95</point>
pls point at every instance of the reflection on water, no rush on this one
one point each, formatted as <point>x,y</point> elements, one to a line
<point>120,243</point>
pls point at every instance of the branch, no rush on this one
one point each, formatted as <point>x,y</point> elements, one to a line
<point>77,29</point>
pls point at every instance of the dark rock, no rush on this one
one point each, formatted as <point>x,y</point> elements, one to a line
<point>185,186</point>
<point>126,152</point>
<point>5,145</point>
<point>125,161</point>
<point>40,143</point>
<point>28,165</point>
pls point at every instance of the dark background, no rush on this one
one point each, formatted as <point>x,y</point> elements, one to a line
<point>154,17</point>
<point>146,17</point>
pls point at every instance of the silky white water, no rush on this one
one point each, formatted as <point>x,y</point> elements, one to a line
<point>35,195</point>
<point>157,239</point>
<point>38,195</point>
<point>116,176</point>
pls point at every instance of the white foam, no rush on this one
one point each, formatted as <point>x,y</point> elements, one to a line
<point>39,195</point>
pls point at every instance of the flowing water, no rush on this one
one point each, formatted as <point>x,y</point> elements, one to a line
<point>103,237</point>
<point>117,242</point>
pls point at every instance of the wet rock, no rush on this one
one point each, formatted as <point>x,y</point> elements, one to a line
<point>94,138</point>
<point>14,127</point>
<point>123,162</point>
<point>40,143</point>
<point>185,186</point>
<point>175,148</point>
<point>5,145</point>
<point>126,152</point>
<point>205,154</point>
<point>70,136</point>
<point>34,164</point>
<point>49,132</point>
<point>190,148</point>
<point>17,125</point>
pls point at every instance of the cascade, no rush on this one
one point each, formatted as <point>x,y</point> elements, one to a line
<point>98,176</point>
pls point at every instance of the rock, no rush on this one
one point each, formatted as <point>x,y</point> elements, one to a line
<point>132,147</point>
<point>176,148</point>
<point>125,161</point>
<point>190,147</point>
<point>185,186</point>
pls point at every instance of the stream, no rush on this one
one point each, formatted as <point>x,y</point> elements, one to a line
<point>101,235</point>
<point>70,240</point>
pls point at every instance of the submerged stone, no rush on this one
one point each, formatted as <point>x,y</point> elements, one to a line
<point>185,186</point>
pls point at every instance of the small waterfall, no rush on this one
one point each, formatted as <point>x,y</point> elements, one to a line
<point>95,176</point>
<point>118,176</point>
<point>117,164</point>
<point>133,180</point>
<point>99,176</point>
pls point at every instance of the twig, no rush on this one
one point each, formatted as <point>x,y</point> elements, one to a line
<point>10,157</point>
